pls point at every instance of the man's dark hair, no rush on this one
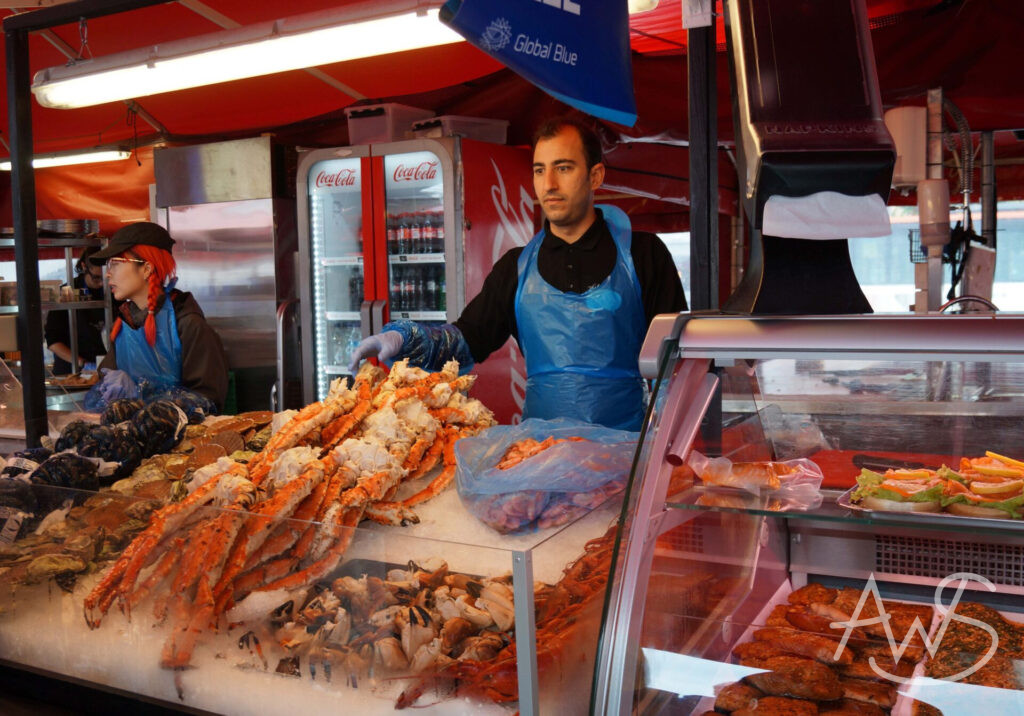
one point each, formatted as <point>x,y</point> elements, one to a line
<point>82,265</point>
<point>588,135</point>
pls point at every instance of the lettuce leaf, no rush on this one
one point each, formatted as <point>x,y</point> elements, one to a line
<point>948,473</point>
<point>932,494</point>
<point>867,483</point>
<point>1013,505</point>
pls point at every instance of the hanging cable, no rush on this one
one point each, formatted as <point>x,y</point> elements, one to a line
<point>132,120</point>
<point>83,43</point>
<point>966,148</point>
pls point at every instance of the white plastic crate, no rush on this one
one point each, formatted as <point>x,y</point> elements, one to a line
<point>478,128</point>
<point>381,122</point>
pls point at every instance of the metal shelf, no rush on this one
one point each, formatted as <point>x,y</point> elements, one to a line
<point>420,315</point>
<point>341,315</point>
<point>416,258</point>
<point>54,243</point>
<point>58,306</point>
<point>342,261</point>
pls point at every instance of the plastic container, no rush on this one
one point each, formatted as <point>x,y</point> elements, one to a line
<point>478,128</point>
<point>381,122</point>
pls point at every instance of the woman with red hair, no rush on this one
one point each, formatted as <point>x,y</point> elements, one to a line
<point>161,338</point>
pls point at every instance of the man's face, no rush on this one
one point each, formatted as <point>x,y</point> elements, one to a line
<point>93,276</point>
<point>564,186</point>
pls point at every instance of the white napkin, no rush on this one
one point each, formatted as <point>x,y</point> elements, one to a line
<point>825,215</point>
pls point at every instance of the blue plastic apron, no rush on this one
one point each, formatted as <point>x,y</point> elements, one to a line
<point>160,365</point>
<point>582,350</point>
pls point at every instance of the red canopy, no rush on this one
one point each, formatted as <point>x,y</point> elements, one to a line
<point>970,48</point>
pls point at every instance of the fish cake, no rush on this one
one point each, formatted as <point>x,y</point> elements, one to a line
<point>795,676</point>
<point>779,706</point>
<point>736,696</point>
<point>813,593</point>
<point>872,692</point>
<point>849,707</point>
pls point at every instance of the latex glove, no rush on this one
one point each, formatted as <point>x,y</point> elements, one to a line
<point>117,384</point>
<point>384,345</point>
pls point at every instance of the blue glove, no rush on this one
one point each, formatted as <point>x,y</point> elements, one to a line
<point>115,384</point>
<point>384,345</point>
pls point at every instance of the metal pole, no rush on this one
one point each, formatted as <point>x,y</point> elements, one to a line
<point>69,273</point>
<point>935,171</point>
<point>26,244</point>
<point>62,14</point>
<point>988,189</point>
<point>738,240</point>
<point>701,68</point>
<point>526,633</point>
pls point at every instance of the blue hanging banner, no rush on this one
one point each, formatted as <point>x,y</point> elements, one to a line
<point>575,50</point>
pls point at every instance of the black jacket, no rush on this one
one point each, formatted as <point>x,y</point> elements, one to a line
<point>90,324</point>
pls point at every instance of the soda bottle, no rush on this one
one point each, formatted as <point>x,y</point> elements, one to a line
<point>396,290</point>
<point>357,294</point>
<point>429,234</point>
<point>439,233</point>
<point>353,299</point>
<point>419,291</point>
<point>415,234</point>
<point>392,233</point>
<point>408,301</point>
<point>403,234</point>
<point>442,294</point>
<point>430,289</point>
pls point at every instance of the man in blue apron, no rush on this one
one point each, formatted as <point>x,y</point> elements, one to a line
<point>578,298</point>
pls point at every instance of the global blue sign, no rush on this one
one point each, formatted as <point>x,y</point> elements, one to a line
<point>575,50</point>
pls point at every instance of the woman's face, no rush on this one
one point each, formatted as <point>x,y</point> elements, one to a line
<point>128,277</point>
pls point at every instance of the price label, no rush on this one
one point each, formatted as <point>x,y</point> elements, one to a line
<point>12,525</point>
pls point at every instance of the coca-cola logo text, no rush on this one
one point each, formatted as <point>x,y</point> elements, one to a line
<point>343,177</point>
<point>420,172</point>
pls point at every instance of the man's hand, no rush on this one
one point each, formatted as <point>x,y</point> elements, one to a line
<point>384,345</point>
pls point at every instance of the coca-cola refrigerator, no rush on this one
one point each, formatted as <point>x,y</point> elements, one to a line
<point>407,229</point>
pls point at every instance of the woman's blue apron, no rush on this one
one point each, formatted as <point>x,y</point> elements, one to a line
<point>582,350</point>
<point>159,365</point>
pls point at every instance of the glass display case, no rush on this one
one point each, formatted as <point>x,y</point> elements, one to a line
<point>445,616</point>
<point>688,594</point>
<point>740,594</point>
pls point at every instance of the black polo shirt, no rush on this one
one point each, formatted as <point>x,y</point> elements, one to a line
<point>490,318</point>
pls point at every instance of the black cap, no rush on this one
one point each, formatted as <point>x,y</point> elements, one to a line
<point>144,232</point>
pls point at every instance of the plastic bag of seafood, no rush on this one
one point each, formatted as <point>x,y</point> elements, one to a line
<point>541,473</point>
<point>791,485</point>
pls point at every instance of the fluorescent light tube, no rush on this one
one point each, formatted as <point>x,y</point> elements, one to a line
<point>60,160</point>
<point>290,44</point>
<point>638,6</point>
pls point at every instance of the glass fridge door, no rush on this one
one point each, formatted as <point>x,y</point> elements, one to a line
<point>415,228</point>
<point>336,237</point>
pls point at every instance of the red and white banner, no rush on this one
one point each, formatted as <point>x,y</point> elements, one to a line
<point>499,212</point>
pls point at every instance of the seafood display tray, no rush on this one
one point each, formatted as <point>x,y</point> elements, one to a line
<point>845,501</point>
<point>449,529</point>
<point>903,705</point>
<point>47,633</point>
<point>43,629</point>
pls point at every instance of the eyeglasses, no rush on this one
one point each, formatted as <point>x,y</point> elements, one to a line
<point>121,261</point>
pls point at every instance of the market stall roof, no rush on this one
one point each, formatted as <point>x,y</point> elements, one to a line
<point>969,47</point>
